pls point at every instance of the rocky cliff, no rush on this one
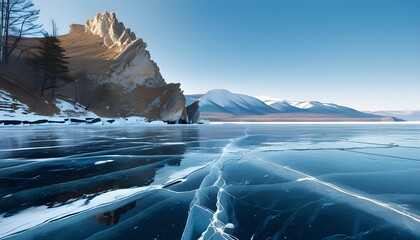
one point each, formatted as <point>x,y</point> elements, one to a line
<point>111,55</point>
<point>193,112</point>
<point>112,32</point>
<point>132,65</point>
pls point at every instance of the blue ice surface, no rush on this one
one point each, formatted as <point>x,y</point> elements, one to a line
<point>248,181</point>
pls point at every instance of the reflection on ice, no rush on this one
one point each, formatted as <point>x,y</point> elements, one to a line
<point>35,216</point>
<point>112,217</point>
<point>211,182</point>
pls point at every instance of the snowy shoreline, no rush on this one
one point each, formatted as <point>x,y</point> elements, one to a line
<point>322,123</point>
<point>98,121</point>
<point>43,120</point>
<point>15,113</point>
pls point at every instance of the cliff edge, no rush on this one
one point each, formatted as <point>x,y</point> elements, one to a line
<point>110,55</point>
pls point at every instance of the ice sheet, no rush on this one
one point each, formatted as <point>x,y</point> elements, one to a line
<point>211,182</point>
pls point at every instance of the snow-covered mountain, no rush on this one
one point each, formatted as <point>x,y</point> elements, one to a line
<point>279,104</point>
<point>223,105</point>
<point>224,101</point>
<point>311,107</point>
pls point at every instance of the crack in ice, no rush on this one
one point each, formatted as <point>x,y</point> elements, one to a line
<point>349,193</point>
<point>215,221</point>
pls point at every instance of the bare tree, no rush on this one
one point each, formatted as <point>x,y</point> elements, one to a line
<point>18,20</point>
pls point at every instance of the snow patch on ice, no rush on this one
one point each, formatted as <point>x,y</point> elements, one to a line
<point>173,143</point>
<point>103,162</point>
<point>8,195</point>
<point>36,216</point>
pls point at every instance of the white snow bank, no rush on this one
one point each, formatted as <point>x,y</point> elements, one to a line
<point>103,162</point>
<point>11,108</point>
<point>72,109</point>
<point>35,216</point>
<point>70,114</point>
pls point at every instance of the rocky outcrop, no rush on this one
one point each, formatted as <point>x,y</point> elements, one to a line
<point>113,73</point>
<point>134,67</point>
<point>193,112</point>
<point>172,103</point>
<point>135,78</point>
<point>113,33</point>
<point>184,117</point>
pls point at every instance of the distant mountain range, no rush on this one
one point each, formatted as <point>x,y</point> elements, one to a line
<point>405,115</point>
<point>223,105</point>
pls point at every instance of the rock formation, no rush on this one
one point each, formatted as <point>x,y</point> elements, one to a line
<point>135,79</point>
<point>172,103</point>
<point>113,73</point>
<point>193,112</point>
<point>134,67</point>
<point>112,32</point>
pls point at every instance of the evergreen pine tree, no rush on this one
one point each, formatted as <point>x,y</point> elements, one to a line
<point>49,58</point>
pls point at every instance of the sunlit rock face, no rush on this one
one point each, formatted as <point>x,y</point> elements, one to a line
<point>113,33</point>
<point>172,103</point>
<point>138,86</point>
<point>134,67</point>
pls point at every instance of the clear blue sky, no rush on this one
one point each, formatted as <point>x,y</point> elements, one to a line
<point>359,53</point>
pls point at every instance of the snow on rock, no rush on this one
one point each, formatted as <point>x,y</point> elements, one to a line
<point>72,110</point>
<point>113,33</point>
<point>11,108</point>
<point>13,112</point>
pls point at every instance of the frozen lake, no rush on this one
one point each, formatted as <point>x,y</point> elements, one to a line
<point>246,181</point>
